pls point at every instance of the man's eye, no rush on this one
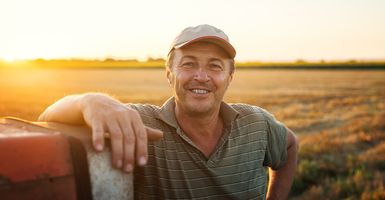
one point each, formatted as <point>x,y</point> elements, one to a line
<point>188,64</point>
<point>216,67</point>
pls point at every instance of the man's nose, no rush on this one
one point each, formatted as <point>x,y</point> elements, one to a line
<point>201,75</point>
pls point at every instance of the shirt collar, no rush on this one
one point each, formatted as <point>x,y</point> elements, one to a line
<point>167,113</point>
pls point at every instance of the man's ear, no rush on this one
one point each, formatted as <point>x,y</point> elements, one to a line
<point>168,75</point>
<point>231,76</point>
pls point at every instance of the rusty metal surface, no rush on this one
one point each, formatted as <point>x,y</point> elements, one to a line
<point>35,164</point>
<point>43,189</point>
<point>106,182</point>
<point>33,157</point>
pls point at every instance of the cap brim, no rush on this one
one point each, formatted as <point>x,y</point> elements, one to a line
<point>225,45</point>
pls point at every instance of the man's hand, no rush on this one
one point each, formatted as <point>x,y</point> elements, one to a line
<point>128,134</point>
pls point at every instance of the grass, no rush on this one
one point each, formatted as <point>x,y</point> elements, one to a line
<point>339,115</point>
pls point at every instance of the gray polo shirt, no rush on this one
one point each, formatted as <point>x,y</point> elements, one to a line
<point>176,169</point>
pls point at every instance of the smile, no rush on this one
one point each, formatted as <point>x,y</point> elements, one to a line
<point>199,91</point>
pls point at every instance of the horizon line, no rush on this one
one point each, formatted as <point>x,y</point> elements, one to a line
<point>159,59</point>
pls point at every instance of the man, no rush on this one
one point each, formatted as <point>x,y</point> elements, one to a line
<point>210,149</point>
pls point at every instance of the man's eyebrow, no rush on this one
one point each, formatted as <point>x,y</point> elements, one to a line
<point>216,59</point>
<point>191,57</point>
<point>194,58</point>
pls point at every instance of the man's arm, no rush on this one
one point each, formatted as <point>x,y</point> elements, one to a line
<point>280,180</point>
<point>66,110</point>
<point>104,114</point>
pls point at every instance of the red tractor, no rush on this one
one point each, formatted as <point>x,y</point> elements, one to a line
<point>55,161</point>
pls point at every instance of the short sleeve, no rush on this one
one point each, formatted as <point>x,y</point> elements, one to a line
<point>148,114</point>
<point>276,148</point>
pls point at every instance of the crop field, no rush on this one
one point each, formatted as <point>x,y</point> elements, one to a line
<point>339,115</point>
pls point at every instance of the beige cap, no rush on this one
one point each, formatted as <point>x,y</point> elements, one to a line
<point>203,32</point>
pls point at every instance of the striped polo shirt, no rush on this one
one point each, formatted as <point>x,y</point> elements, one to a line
<point>251,141</point>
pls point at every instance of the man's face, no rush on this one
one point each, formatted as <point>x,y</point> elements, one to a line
<point>199,75</point>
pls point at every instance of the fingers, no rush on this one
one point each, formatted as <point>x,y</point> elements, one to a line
<point>98,136</point>
<point>154,134</point>
<point>128,145</point>
<point>141,141</point>
<point>116,137</point>
<point>135,139</point>
<point>128,137</point>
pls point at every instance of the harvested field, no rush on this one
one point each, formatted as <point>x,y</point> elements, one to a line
<point>339,115</point>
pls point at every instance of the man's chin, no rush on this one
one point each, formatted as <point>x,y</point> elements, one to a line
<point>198,108</point>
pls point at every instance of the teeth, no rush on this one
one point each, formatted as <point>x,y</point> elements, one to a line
<point>199,91</point>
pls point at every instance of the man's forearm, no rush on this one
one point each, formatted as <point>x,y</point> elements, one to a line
<point>280,181</point>
<point>66,110</point>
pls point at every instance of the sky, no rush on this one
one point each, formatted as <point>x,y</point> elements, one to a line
<point>271,30</point>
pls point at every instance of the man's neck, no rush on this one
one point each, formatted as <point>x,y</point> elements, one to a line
<point>203,124</point>
<point>203,130</point>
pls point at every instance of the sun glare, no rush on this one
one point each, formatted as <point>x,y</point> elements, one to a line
<point>8,59</point>
<point>268,30</point>
<point>15,58</point>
